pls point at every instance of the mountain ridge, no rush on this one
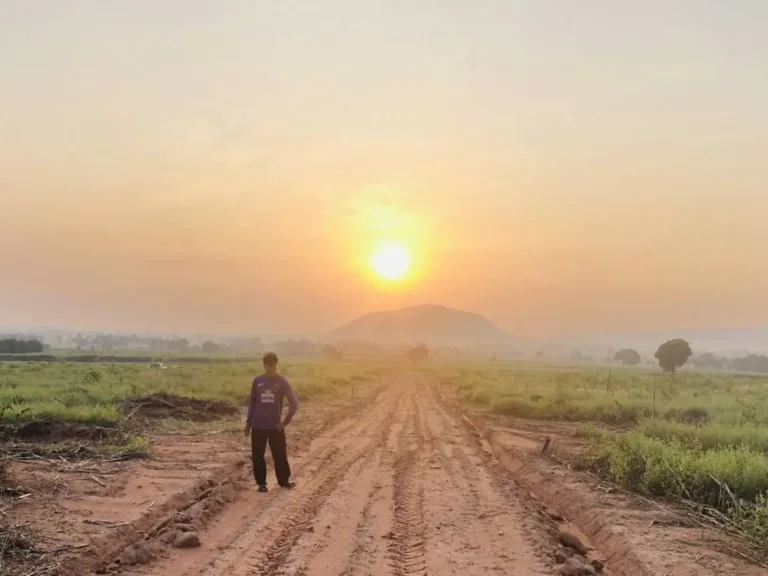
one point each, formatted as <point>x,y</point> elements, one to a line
<point>425,323</point>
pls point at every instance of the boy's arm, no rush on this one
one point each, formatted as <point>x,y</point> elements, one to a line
<point>254,399</point>
<point>293,403</point>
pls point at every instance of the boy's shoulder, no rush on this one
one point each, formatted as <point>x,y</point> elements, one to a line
<point>264,379</point>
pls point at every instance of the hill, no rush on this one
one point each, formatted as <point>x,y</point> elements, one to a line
<point>429,324</point>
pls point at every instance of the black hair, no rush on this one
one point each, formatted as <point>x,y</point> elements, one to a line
<point>270,359</point>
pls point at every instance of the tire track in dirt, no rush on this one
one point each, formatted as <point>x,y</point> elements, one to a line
<point>400,490</point>
<point>256,517</point>
<point>474,527</point>
<point>369,556</point>
<point>408,534</point>
<point>476,459</point>
<point>270,550</point>
<point>341,526</point>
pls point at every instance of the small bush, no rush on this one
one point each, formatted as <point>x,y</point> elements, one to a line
<point>691,415</point>
<point>755,519</point>
<point>481,397</point>
<point>515,407</point>
<point>313,389</point>
<point>710,436</point>
<point>139,446</point>
<point>671,469</point>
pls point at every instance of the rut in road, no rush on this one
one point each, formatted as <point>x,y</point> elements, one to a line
<point>408,534</point>
<point>400,489</point>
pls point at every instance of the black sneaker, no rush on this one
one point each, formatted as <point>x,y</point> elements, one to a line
<point>263,488</point>
<point>288,486</point>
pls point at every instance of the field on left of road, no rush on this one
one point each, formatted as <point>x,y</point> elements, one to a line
<point>92,451</point>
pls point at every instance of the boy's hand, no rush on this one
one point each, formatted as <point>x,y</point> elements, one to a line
<point>247,429</point>
<point>281,426</point>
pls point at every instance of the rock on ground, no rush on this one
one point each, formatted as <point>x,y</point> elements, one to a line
<point>570,539</point>
<point>187,540</point>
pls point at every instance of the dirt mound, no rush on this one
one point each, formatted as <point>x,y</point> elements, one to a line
<point>162,405</point>
<point>57,430</point>
<point>162,527</point>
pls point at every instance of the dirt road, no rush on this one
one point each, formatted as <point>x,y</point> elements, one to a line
<point>398,489</point>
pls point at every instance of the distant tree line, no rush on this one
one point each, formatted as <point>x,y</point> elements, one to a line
<point>748,363</point>
<point>333,353</point>
<point>674,354</point>
<point>134,343</point>
<point>296,348</point>
<point>19,346</point>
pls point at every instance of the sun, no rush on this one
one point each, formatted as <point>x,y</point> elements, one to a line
<point>391,261</point>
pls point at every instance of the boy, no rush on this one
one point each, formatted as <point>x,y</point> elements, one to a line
<point>265,425</point>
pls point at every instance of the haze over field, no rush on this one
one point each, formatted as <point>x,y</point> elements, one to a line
<point>562,168</point>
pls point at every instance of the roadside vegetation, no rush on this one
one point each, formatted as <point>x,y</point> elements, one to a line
<point>697,438</point>
<point>76,410</point>
<point>93,393</point>
<point>84,416</point>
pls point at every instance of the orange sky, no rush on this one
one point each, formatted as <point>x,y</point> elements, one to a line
<point>211,170</point>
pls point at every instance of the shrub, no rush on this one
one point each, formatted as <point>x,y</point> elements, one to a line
<point>663,468</point>
<point>515,407</point>
<point>710,436</point>
<point>692,415</point>
<point>481,397</point>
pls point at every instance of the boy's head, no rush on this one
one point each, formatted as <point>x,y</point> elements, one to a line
<point>270,363</point>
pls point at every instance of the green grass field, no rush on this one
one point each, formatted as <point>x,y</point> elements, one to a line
<point>699,437</point>
<point>92,392</point>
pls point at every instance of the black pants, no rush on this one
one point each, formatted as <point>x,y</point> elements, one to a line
<point>277,447</point>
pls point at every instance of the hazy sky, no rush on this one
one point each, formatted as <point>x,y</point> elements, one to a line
<point>563,167</point>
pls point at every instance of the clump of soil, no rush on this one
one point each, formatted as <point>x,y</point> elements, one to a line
<point>181,528</point>
<point>65,440</point>
<point>57,430</point>
<point>163,405</point>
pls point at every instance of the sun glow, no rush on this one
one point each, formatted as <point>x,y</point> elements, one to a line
<point>391,261</point>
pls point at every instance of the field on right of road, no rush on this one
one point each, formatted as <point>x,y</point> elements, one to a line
<point>699,438</point>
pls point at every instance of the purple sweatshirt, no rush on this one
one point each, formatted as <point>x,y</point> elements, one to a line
<point>266,406</point>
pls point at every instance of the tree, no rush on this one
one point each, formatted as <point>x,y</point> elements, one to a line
<point>750,363</point>
<point>18,346</point>
<point>210,347</point>
<point>332,353</point>
<point>628,357</point>
<point>673,354</point>
<point>577,356</point>
<point>179,345</point>
<point>418,353</point>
